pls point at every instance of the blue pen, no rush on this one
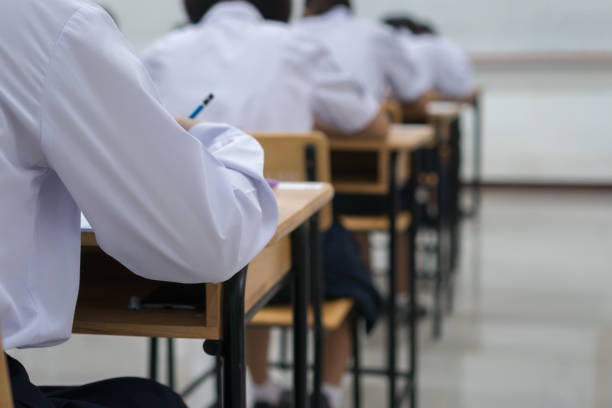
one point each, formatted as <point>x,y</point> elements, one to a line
<point>200,108</point>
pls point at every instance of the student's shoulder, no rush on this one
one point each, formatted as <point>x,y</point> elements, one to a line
<point>275,31</point>
<point>295,42</point>
<point>378,30</point>
<point>171,40</point>
<point>304,45</point>
<point>52,15</point>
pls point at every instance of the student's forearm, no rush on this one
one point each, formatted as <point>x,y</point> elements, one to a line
<point>166,204</point>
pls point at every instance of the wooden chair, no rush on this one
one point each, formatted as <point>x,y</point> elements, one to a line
<point>300,157</point>
<point>304,157</point>
<point>393,109</point>
<point>6,396</point>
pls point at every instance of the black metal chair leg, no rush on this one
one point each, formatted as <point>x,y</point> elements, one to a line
<point>393,206</point>
<point>219,379</point>
<point>170,362</point>
<point>284,359</point>
<point>153,347</point>
<point>442,230</point>
<point>477,182</point>
<point>317,295</point>
<point>439,257</point>
<point>301,271</point>
<point>412,317</point>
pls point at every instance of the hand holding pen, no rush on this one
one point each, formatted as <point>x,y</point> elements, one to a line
<point>200,108</point>
<point>188,123</point>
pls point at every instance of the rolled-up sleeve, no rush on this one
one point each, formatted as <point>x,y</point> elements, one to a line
<point>338,99</point>
<point>168,204</point>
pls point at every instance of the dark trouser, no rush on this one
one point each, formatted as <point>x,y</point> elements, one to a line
<point>115,393</point>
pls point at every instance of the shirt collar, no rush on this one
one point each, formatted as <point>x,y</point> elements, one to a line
<point>240,10</point>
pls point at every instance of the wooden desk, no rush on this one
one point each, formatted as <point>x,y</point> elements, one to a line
<point>447,108</point>
<point>369,174</point>
<point>444,163</point>
<point>380,168</point>
<point>443,110</point>
<point>475,101</point>
<point>106,288</point>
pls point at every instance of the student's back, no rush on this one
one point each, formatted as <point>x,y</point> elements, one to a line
<point>447,65</point>
<point>264,76</point>
<point>29,30</point>
<point>369,51</point>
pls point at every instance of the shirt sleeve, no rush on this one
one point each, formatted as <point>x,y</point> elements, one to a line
<point>338,100</point>
<point>168,204</point>
<point>406,76</point>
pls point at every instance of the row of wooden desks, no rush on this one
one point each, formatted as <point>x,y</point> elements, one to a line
<point>442,168</point>
<point>382,169</point>
<point>107,289</point>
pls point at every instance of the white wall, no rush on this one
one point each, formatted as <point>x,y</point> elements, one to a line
<point>144,20</point>
<point>542,122</point>
<point>550,124</point>
<point>511,25</point>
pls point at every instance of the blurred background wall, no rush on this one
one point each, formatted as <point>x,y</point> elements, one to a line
<point>546,66</point>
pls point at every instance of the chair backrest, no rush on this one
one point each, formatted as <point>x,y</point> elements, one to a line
<point>6,397</point>
<point>298,157</point>
<point>393,109</point>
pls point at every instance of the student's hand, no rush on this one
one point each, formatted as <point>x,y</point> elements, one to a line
<point>186,123</point>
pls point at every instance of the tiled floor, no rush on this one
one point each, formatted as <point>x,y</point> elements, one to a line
<point>532,325</point>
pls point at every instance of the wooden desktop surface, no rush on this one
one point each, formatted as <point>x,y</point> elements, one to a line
<point>400,137</point>
<point>443,109</point>
<point>361,166</point>
<point>296,202</point>
<point>104,297</point>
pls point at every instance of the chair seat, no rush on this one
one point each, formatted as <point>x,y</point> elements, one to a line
<point>333,314</point>
<point>359,223</point>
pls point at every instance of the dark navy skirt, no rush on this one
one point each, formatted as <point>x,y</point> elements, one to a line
<point>346,275</point>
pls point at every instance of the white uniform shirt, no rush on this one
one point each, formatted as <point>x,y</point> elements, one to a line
<point>448,67</point>
<point>81,128</point>
<point>370,52</point>
<point>264,75</point>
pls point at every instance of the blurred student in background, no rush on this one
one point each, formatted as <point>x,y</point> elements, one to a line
<point>368,50</point>
<point>267,77</point>
<point>448,68</point>
<point>263,75</point>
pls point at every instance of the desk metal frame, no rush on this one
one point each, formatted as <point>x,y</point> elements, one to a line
<point>391,370</point>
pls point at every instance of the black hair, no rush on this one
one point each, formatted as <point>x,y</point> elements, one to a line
<point>315,7</point>
<point>278,10</point>
<point>417,27</point>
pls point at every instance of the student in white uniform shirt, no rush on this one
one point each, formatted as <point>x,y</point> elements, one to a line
<point>447,65</point>
<point>265,76</point>
<point>368,50</point>
<point>81,129</point>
